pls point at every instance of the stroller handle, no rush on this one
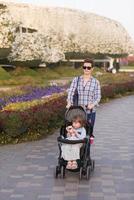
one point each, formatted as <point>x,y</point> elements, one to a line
<point>91,110</point>
<point>84,107</point>
<point>66,141</point>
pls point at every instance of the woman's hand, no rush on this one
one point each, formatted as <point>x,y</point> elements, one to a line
<point>68,105</point>
<point>90,106</point>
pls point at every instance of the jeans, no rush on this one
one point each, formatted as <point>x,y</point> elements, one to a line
<point>91,118</point>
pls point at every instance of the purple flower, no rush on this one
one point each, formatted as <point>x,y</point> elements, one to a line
<point>32,93</point>
<point>2,103</point>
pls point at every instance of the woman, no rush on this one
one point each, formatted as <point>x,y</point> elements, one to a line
<point>89,91</point>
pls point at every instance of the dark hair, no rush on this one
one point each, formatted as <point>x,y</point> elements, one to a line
<point>69,124</point>
<point>80,119</point>
<point>88,60</point>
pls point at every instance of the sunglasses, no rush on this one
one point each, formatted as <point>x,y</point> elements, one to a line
<point>88,68</point>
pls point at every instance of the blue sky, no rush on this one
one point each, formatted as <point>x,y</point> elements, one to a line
<point>120,10</point>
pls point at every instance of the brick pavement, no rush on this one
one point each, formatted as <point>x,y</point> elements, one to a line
<point>26,170</point>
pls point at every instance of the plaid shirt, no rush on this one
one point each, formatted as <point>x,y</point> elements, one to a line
<point>88,94</point>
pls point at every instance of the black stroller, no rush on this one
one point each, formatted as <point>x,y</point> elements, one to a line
<point>85,164</point>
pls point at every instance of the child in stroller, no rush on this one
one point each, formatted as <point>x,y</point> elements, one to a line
<point>75,131</point>
<point>78,143</point>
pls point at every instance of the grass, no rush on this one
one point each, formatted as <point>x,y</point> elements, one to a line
<point>21,76</point>
<point>42,76</point>
<point>108,78</point>
<point>19,71</point>
<point>127,67</point>
<point>4,75</point>
<point>66,71</point>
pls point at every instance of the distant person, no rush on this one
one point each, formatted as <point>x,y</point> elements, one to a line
<point>117,64</point>
<point>111,64</point>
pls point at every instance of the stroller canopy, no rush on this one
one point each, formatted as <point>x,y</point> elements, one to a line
<point>75,111</point>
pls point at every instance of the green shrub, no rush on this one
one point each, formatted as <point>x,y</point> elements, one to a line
<point>13,123</point>
<point>41,119</point>
<point>3,74</point>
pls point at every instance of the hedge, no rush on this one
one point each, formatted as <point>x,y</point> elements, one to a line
<point>42,119</point>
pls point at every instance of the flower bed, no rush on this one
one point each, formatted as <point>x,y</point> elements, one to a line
<point>31,120</point>
<point>112,90</point>
<point>36,121</point>
<point>30,94</point>
<point>22,106</point>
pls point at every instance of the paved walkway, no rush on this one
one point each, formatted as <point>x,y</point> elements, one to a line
<point>26,170</point>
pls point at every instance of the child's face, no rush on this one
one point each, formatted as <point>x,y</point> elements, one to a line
<point>76,124</point>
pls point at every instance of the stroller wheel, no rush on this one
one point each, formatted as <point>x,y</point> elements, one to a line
<point>92,165</point>
<point>88,172</point>
<point>80,174</point>
<point>62,172</point>
<point>57,171</point>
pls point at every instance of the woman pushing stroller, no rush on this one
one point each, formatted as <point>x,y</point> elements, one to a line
<point>79,123</point>
<point>89,91</point>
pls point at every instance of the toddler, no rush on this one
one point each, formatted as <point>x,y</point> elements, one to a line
<point>71,152</point>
